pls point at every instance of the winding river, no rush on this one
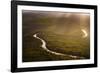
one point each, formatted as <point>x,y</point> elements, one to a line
<point>55,53</point>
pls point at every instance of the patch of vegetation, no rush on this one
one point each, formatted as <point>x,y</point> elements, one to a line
<point>32,50</point>
<point>67,44</point>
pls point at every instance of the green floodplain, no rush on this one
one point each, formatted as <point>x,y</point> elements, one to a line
<point>61,33</point>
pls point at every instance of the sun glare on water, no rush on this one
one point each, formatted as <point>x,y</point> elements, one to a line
<point>85,33</point>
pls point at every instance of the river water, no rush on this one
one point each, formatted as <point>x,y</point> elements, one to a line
<point>55,53</point>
